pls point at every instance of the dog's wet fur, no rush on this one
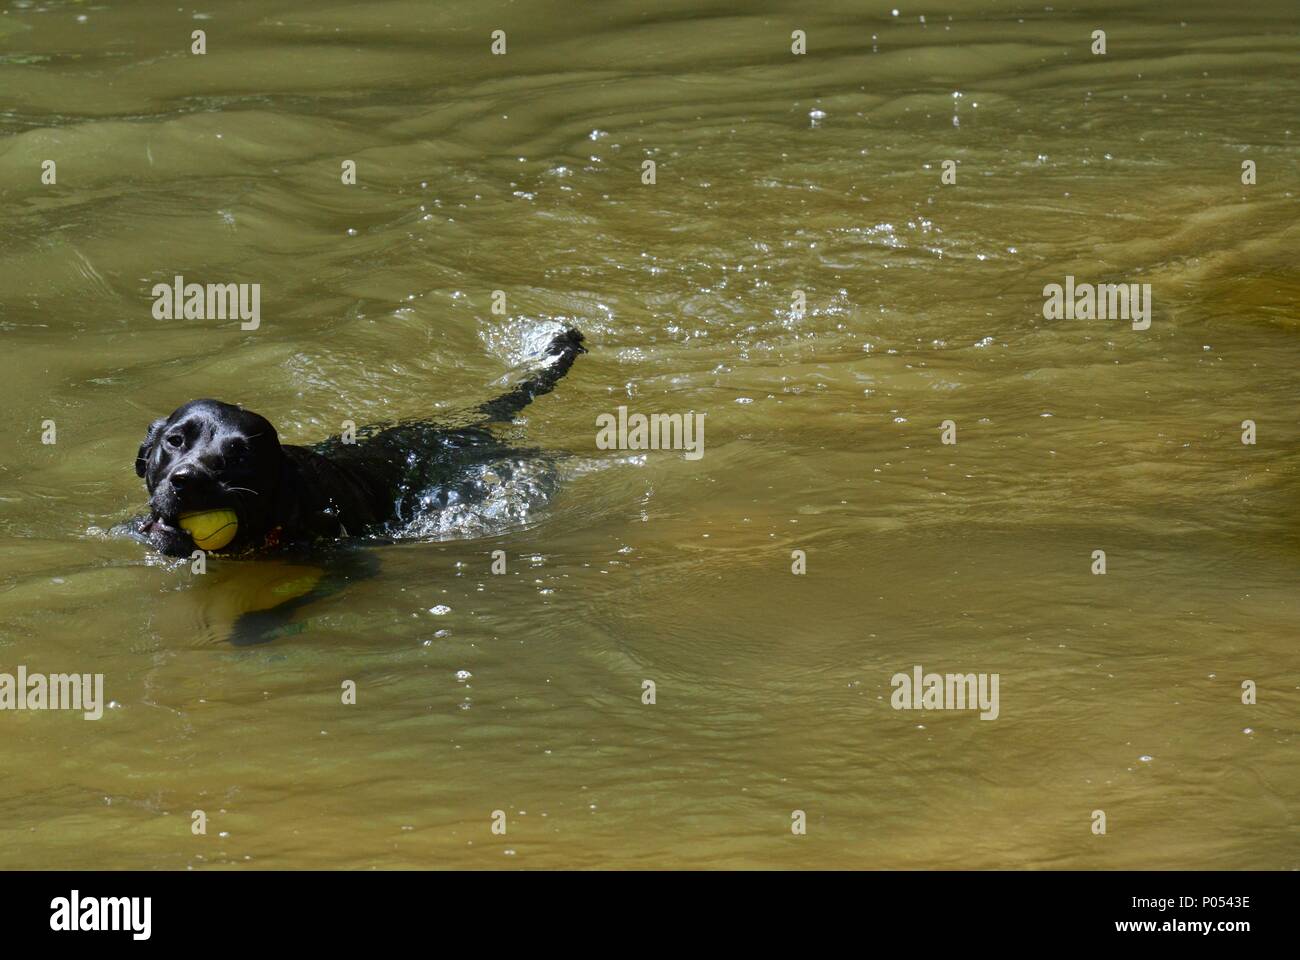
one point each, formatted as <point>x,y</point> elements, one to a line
<point>209,455</point>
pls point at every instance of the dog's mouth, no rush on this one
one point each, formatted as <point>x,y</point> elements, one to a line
<point>156,521</point>
<point>162,527</point>
<point>166,535</point>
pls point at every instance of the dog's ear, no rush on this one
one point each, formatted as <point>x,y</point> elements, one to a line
<point>150,437</point>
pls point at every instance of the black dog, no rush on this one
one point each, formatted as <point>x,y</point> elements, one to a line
<point>210,455</point>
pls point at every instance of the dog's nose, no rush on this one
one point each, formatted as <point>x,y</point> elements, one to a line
<point>183,477</point>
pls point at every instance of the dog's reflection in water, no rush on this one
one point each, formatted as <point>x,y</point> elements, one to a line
<point>252,603</point>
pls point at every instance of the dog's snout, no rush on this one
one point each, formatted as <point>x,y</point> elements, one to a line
<point>187,477</point>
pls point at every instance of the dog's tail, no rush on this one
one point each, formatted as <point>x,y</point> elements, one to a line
<point>560,354</point>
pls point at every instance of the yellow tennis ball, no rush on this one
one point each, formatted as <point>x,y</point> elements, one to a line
<point>211,529</point>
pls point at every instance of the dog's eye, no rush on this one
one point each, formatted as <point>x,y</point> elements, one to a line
<point>175,440</point>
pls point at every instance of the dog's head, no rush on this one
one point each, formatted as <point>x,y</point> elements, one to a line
<point>209,455</point>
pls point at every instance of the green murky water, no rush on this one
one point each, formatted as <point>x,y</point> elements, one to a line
<point>774,172</point>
